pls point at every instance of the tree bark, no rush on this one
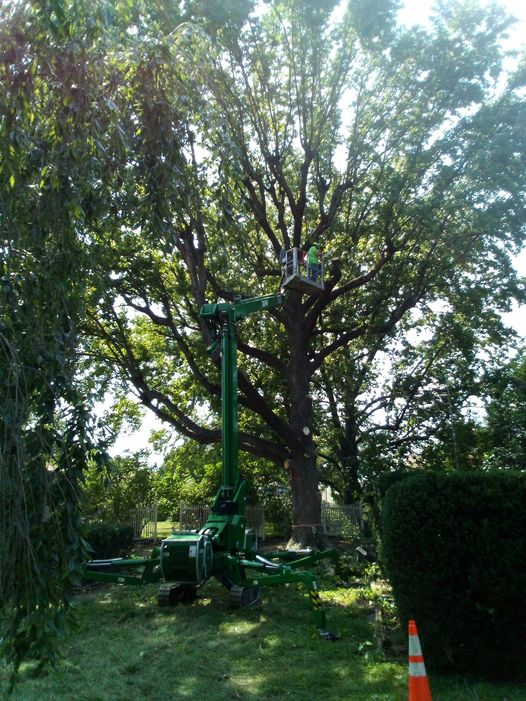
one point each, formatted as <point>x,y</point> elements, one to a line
<point>307,529</point>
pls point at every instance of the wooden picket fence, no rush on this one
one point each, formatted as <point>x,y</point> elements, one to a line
<point>345,520</point>
<point>338,521</point>
<point>192,517</point>
<point>144,522</point>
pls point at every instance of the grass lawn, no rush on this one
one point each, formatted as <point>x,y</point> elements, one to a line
<point>127,649</point>
<point>164,528</point>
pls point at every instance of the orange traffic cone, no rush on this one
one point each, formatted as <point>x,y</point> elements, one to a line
<point>418,682</point>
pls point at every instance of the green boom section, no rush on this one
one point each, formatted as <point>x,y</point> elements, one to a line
<point>222,319</point>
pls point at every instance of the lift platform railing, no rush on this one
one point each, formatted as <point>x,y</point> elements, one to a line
<point>298,275</point>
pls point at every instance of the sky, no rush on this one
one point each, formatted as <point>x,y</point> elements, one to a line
<point>412,12</point>
<point>417,12</point>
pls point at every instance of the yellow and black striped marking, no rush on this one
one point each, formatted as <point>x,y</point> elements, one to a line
<point>315,599</point>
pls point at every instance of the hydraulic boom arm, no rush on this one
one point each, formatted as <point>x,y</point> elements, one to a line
<point>222,320</point>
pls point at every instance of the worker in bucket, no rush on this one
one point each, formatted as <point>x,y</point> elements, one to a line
<point>313,261</point>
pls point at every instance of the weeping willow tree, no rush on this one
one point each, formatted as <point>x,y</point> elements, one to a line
<point>44,436</point>
<point>63,160</point>
<point>49,165</point>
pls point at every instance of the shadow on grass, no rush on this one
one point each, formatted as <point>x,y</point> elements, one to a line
<point>127,649</point>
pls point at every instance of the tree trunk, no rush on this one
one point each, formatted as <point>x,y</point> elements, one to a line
<point>307,529</point>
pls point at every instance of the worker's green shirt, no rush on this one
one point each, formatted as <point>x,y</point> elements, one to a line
<point>312,255</point>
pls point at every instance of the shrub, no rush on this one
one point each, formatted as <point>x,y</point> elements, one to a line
<point>278,509</point>
<point>454,548</point>
<point>126,484</point>
<point>108,539</point>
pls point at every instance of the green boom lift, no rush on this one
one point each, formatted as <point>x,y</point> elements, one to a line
<point>224,547</point>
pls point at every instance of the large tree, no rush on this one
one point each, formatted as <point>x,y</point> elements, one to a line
<point>198,154</point>
<point>399,150</point>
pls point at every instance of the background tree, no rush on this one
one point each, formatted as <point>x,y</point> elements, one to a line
<point>190,473</point>
<point>503,438</point>
<point>414,399</point>
<point>111,495</point>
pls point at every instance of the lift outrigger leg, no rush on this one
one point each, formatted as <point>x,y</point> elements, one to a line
<point>276,574</point>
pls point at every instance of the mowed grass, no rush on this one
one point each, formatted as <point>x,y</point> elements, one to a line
<point>127,649</point>
<point>164,528</point>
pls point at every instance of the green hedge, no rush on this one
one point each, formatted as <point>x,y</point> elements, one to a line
<point>454,549</point>
<point>108,539</point>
